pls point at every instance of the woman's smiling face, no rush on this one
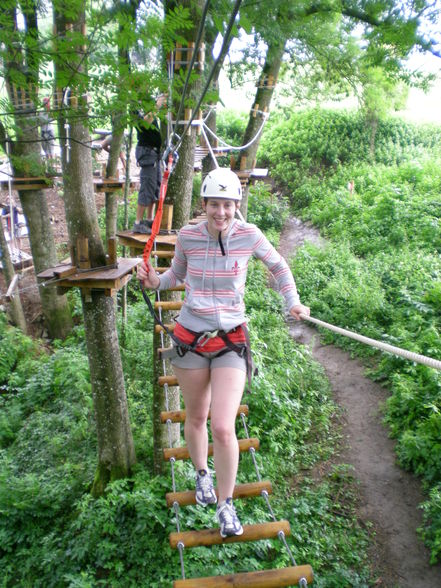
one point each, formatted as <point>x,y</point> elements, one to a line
<point>220,214</point>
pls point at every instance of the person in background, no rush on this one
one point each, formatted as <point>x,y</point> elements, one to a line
<point>211,354</point>
<point>47,130</point>
<point>148,158</point>
<point>106,143</point>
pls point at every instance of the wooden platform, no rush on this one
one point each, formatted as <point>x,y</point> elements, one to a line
<point>38,183</point>
<point>137,241</point>
<point>110,280</point>
<point>113,184</point>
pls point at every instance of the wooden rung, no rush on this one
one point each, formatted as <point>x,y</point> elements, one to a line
<point>207,537</point>
<point>178,416</point>
<point>170,380</point>
<point>163,254</point>
<point>262,579</point>
<point>182,452</point>
<point>187,498</point>
<point>170,327</point>
<point>169,305</point>
<point>179,288</point>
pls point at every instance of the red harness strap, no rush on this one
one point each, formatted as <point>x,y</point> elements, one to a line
<point>209,344</point>
<point>158,216</point>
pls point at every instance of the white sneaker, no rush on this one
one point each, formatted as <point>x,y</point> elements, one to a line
<point>205,493</point>
<point>228,520</point>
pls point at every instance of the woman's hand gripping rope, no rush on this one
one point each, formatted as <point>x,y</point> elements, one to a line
<point>298,310</point>
<point>147,276</point>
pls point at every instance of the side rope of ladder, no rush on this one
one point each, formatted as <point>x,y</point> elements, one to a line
<point>172,459</point>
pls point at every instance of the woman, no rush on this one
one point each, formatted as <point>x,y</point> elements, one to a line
<point>210,363</point>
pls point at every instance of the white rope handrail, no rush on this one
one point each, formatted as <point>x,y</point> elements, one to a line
<point>226,146</point>
<point>418,358</point>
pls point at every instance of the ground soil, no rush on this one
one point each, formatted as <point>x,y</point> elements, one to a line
<point>389,496</point>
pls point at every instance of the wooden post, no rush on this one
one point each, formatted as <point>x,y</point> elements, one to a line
<point>83,260</point>
<point>178,56</point>
<point>167,217</point>
<point>111,251</point>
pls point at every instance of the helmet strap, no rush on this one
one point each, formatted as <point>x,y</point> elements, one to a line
<point>221,244</point>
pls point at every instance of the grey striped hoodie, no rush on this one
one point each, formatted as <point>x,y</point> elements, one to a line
<point>215,283</point>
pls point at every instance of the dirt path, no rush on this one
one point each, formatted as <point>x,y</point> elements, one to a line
<point>389,495</point>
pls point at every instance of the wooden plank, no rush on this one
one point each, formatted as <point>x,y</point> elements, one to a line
<point>187,498</point>
<point>10,291</point>
<point>138,240</point>
<point>263,579</point>
<point>207,537</point>
<point>178,416</point>
<point>180,288</point>
<point>170,327</point>
<point>169,305</point>
<point>182,452</point>
<point>170,380</point>
<point>163,254</point>
<point>103,279</point>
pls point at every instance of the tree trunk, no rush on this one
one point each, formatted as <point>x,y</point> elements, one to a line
<point>116,454</point>
<point>180,187</point>
<point>15,309</point>
<point>264,94</point>
<point>111,172</point>
<point>26,162</point>
<point>56,311</point>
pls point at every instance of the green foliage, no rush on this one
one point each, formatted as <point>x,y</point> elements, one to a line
<point>230,126</point>
<point>431,532</point>
<point>380,272</point>
<point>317,142</point>
<point>52,533</point>
<point>336,545</point>
<point>265,210</point>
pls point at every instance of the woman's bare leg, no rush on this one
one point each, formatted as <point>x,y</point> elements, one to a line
<point>227,385</point>
<point>195,388</point>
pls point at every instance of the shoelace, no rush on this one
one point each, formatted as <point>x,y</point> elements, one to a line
<point>205,483</point>
<point>227,513</point>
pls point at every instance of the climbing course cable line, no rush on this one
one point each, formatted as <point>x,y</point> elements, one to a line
<point>214,68</point>
<point>226,147</point>
<point>193,59</point>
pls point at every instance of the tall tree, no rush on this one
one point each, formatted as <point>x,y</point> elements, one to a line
<point>116,454</point>
<point>181,182</point>
<point>21,63</point>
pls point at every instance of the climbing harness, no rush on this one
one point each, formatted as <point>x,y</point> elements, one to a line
<point>218,341</point>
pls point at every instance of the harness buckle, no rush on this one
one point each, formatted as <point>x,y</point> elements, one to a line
<point>207,336</point>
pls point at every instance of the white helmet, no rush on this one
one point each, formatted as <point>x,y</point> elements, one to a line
<point>221,183</point>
